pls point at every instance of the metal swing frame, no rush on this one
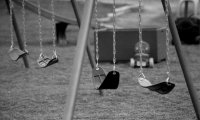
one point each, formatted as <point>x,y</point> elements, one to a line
<point>79,55</point>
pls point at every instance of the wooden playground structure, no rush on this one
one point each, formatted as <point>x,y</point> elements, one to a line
<point>82,45</point>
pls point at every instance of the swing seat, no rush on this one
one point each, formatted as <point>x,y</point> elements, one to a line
<point>98,76</point>
<point>16,53</point>
<point>44,61</point>
<point>111,81</point>
<point>161,88</point>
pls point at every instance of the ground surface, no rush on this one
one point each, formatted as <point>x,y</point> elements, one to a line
<point>40,94</point>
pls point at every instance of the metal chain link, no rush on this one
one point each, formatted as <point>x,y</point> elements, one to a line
<point>24,24</point>
<point>114,36</point>
<point>53,28</point>
<point>96,34</point>
<point>140,36</point>
<point>11,25</point>
<point>40,27</point>
<point>167,38</point>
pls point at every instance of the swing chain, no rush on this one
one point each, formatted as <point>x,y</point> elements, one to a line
<point>114,35</point>
<point>140,36</point>
<point>40,27</point>
<point>53,28</point>
<point>167,38</point>
<point>24,23</point>
<point>11,24</point>
<point>141,75</point>
<point>96,34</point>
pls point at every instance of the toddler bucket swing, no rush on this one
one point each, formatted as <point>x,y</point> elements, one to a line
<point>16,53</point>
<point>44,61</point>
<point>163,87</point>
<point>100,79</point>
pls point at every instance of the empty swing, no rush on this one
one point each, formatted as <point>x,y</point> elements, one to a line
<point>16,53</point>
<point>163,87</point>
<point>111,80</point>
<point>44,61</point>
<point>98,72</point>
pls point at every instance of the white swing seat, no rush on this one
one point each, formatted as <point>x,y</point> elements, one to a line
<point>16,53</point>
<point>144,82</point>
<point>45,61</point>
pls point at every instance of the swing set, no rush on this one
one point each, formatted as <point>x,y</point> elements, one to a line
<point>163,87</point>
<point>101,81</point>
<point>21,52</point>
<point>99,74</point>
<point>44,61</point>
<point>16,53</point>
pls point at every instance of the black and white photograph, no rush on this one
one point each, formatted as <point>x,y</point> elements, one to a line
<point>99,59</point>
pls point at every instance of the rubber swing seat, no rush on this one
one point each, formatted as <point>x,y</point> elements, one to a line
<point>161,88</point>
<point>98,76</point>
<point>44,61</point>
<point>111,81</point>
<point>101,81</point>
<point>16,53</point>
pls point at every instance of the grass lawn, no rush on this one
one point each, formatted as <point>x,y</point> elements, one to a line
<point>41,94</point>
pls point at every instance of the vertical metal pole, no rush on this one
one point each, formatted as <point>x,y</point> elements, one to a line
<point>78,60</point>
<point>186,9</point>
<point>74,5</point>
<point>183,62</point>
<point>91,59</point>
<point>19,39</point>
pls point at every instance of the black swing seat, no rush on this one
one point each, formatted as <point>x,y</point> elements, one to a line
<point>161,88</point>
<point>44,61</point>
<point>111,81</point>
<point>16,53</point>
